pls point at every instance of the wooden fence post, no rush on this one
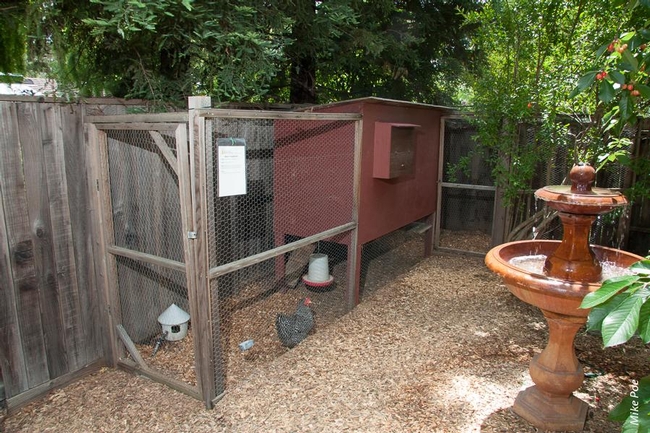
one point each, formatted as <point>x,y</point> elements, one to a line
<point>199,288</point>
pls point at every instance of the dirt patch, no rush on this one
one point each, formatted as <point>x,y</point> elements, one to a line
<point>443,348</point>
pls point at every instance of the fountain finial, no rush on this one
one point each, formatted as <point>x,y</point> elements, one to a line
<point>582,177</point>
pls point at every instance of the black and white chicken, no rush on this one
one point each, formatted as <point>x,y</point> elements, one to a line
<point>293,328</point>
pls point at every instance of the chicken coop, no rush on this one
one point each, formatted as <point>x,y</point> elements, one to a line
<point>397,180</point>
<point>228,236</point>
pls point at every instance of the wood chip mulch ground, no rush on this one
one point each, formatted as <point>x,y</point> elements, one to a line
<point>443,348</point>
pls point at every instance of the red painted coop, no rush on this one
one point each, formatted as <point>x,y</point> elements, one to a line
<point>397,172</point>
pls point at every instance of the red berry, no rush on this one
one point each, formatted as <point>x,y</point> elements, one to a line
<point>635,93</point>
<point>642,47</point>
<point>610,47</point>
<point>624,86</point>
<point>530,105</point>
<point>599,76</point>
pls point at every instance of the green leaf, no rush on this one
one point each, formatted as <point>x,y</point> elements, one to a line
<point>606,91</point>
<point>640,290</point>
<point>585,81</point>
<point>608,289</point>
<point>630,63</point>
<point>598,313</point>
<point>644,389</point>
<point>625,37</point>
<point>630,426</point>
<point>620,324</point>
<point>623,159</point>
<point>644,322</point>
<point>616,76</point>
<point>642,266</point>
<point>626,107</point>
<point>622,410</point>
<point>644,418</point>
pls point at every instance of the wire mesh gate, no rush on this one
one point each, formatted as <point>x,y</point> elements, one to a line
<point>278,224</point>
<point>141,164</point>
<point>466,200</point>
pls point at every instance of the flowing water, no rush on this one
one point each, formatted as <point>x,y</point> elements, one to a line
<point>535,264</point>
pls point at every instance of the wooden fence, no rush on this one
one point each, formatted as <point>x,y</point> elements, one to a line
<point>50,312</point>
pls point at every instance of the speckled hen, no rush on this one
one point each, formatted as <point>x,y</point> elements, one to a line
<point>293,328</point>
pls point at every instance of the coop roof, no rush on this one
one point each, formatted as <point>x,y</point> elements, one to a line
<point>385,101</point>
<point>174,315</point>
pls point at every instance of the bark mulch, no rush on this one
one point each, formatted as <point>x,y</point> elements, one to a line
<point>443,348</point>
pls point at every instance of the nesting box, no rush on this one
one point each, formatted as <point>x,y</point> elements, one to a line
<point>174,321</point>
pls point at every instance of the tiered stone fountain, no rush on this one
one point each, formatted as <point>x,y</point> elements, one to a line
<point>572,269</point>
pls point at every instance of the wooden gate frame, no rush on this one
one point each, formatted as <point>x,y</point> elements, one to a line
<point>118,342</point>
<point>498,211</point>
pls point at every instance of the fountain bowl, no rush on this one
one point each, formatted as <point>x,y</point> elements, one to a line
<point>547,293</point>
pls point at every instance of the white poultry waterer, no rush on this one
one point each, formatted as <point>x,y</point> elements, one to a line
<point>174,322</point>
<point>318,274</point>
<point>318,268</point>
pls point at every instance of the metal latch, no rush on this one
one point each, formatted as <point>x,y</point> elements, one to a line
<point>191,235</point>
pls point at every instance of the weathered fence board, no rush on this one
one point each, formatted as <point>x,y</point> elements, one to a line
<point>25,275</point>
<point>12,356</point>
<point>76,175</point>
<point>50,326</point>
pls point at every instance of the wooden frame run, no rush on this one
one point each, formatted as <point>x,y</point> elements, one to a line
<point>189,162</point>
<point>119,342</point>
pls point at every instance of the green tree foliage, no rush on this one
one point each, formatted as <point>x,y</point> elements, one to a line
<point>619,83</point>
<point>163,49</point>
<point>253,50</point>
<point>532,53</point>
<point>12,39</point>
<point>410,50</point>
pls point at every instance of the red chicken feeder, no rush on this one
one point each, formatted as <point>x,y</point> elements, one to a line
<point>317,284</point>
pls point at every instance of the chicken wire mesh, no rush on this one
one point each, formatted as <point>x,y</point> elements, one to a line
<point>146,211</point>
<point>299,183</point>
<point>467,197</point>
<point>388,257</point>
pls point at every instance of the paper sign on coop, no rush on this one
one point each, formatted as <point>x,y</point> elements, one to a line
<point>232,166</point>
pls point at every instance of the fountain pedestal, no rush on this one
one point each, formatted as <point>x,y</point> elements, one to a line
<point>571,270</point>
<point>556,372</point>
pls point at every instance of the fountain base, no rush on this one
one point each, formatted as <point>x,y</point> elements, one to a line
<point>548,412</point>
